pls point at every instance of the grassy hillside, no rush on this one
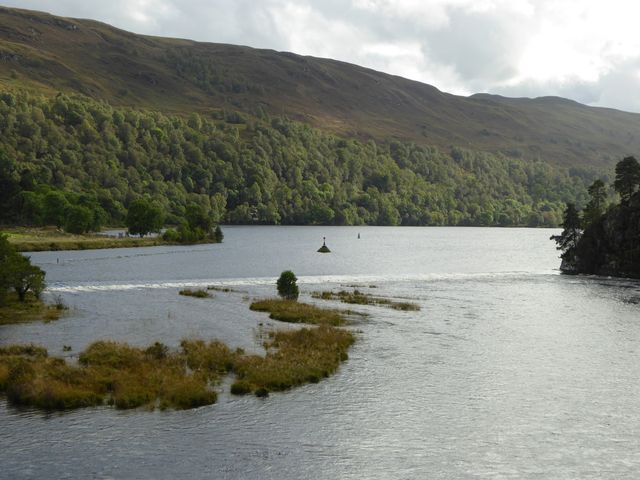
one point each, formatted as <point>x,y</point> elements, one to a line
<point>49,54</point>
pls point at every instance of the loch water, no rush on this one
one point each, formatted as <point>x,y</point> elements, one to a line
<point>509,370</point>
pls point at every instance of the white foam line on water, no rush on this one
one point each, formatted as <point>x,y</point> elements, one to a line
<point>305,280</point>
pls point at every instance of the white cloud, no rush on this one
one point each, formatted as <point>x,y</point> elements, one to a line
<point>588,50</point>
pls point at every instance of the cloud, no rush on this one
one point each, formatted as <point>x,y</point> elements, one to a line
<point>587,50</point>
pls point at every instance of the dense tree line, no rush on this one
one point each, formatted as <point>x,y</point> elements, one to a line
<point>605,239</point>
<point>72,161</point>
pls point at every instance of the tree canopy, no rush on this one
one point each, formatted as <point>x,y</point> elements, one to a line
<point>67,151</point>
<point>597,202</point>
<point>17,273</point>
<point>144,217</point>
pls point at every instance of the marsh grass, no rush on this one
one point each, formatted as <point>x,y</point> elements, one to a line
<point>357,297</point>
<point>214,358</point>
<point>117,374</point>
<point>295,312</point>
<point>188,292</point>
<point>108,373</point>
<point>32,309</point>
<point>293,358</point>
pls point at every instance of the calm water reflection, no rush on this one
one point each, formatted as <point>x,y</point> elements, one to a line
<point>508,371</point>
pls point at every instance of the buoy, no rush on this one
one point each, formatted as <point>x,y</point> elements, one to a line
<point>358,235</point>
<point>324,248</point>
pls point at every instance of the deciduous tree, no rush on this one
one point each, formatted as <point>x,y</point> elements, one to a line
<point>287,286</point>
<point>144,216</point>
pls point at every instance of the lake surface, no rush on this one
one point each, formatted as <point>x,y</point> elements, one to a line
<point>509,370</point>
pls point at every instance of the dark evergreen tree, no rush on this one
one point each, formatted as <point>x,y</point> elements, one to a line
<point>9,185</point>
<point>569,238</point>
<point>597,203</point>
<point>627,177</point>
<point>218,235</point>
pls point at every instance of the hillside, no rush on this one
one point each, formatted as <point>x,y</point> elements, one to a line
<point>49,54</point>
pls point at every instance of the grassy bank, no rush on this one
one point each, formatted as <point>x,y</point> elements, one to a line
<point>48,239</point>
<point>32,309</point>
<point>295,312</point>
<point>359,298</point>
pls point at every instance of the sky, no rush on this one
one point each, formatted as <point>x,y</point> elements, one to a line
<point>585,50</point>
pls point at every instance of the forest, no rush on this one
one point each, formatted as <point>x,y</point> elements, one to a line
<point>78,163</point>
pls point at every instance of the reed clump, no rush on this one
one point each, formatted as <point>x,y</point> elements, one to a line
<point>357,297</point>
<point>188,292</point>
<point>213,358</point>
<point>108,373</point>
<point>293,358</point>
<point>295,312</point>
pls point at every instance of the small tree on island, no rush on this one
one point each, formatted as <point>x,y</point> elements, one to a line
<point>143,217</point>
<point>17,273</point>
<point>287,287</point>
<point>569,238</point>
<point>218,236</point>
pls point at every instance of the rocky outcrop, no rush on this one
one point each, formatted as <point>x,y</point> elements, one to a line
<point>611,245</point>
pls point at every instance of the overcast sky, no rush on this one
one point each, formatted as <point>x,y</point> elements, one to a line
<point>587,50</point>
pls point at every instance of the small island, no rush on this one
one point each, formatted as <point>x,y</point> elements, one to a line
<point>123,376</point>
<point>605,240</point>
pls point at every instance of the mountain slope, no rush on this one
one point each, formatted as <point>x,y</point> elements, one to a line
<point>50,54</point>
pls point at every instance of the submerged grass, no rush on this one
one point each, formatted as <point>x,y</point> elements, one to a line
<point>295,312</point>
<point>357,297</point>
<point>188,292</point>
<point>221,289</point>
<point>32,309</point>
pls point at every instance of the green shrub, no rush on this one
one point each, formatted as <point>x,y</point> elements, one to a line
<point>171,235</point>
<point>241,387</point>
<point>287,286</point>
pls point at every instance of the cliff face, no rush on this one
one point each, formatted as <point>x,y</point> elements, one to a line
<point>611,245</point>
